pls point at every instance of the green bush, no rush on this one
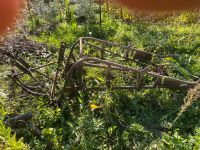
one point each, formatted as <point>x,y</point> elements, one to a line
<point>8,141</point>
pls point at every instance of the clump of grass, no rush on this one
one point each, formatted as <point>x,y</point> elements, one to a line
<point>192,96</point>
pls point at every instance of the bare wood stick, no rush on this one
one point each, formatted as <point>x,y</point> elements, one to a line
<point>23,66</point>
<point>101,88</point>
<point>31,92</point>
<point>147,69</point>
<point>60,60</point>
<point>36,68</point>
<point>102,51</point>
<point>70,56</point>
<point>44,75</point>
<point>26,88</point>
<point>23,62</point>
<point>85,64</point>
<point>108,74</point>
<point>81,47</point>
<point>125,68</point>
<point>26,71</point>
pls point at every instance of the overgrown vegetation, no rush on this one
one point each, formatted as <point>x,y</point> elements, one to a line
<point>106,119</point>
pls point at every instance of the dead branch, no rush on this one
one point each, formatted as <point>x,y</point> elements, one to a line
<point>71,56</point>
<point>27,88</point>
<point>36,68</point>
<point>21,121</point>
<point>59,63</point>
<point>21,65</point>
<point>120,88</point>
<point>24,117</point>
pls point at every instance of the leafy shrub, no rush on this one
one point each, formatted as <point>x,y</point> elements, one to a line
<point>7,139</point>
